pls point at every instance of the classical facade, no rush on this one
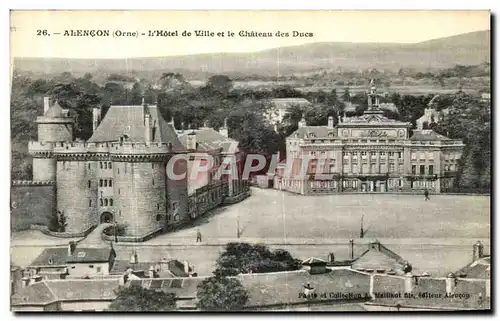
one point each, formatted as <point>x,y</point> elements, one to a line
<point>120,174</point>
<point>367,153</point>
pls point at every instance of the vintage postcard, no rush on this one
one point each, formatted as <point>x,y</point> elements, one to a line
<point>250,161</point>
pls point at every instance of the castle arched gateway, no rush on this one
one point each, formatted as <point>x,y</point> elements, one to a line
<point>106,217</point>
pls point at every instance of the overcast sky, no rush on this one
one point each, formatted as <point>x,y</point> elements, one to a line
<point>326,26</point>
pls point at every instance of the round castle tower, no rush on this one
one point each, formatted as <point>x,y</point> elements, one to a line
<point>140,183</point>
<point>53,127</point>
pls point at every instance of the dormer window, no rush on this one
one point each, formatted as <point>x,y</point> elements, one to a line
<point>51,262</point>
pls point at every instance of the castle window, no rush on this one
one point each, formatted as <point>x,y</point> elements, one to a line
<point>422,169</point>
<point>105,183</point>
<point>158,217</point>
<point>89,165</point>
<point>109,165</point>
<point>119,190</point>
<point>110,202</point>
<point>100,182</point>
<point>153,180</point>
<point>90,203</point>
<point>101,202</point>
<point>105,202</point>
<point>157,206</point>
<point>100,164</point>
<point>118,170</point>
<point>89,184</point>
<point>153,165</point>
<point>110,183</point>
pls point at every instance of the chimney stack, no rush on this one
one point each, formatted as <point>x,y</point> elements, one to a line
<point>186,267</point>
<point>302,122</point>
<point>409,282</point>
<point>330,122</point>
<point>477,252</point>
<point>451,283</point>
<point>223,130</point>
<point>96,118</point>
<point>147,128</point>
<point>191,141</point>
<point>46,104</point>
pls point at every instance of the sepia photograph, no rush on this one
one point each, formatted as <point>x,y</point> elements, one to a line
<point>250,161</point>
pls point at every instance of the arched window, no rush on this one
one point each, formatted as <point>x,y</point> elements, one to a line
<point>153,181</point>
<point>100,164</point>
<point>89,165</point>
<point>110,202</point>
<point>100,182</point>
<point>110,183</point>
<point>105,183</point>
<point>157,206</point>
<point>105,165</point>
<point>109,165</point>
<point>105,202</point>
<point>158,217</point>
<point>89,184</point>
<point>90,203</point>
<point>100,201</point>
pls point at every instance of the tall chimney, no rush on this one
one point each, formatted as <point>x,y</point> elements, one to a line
<point>46,104</point>
<point>223,130</point>
<point>147,128</point>
<point>96,118</point>
<point>351,248</point>
<point>477,251</point>
<point>191,141</point>
<point>330,122</point>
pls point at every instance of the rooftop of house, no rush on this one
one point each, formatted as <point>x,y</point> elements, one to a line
<point>479,269</point>
<point>313,131</point>
<point>427,135</point>
<point>58,256</point>
<point>185,288</point>
<point>210,139</point>
<point>49,291</point>
<point>368,117</point>
<point>174,268</point>
<point>129,120</point>
<point>378,258</point>
<point>473,293</point>
<point>287,102</point>
<point>282,288</point>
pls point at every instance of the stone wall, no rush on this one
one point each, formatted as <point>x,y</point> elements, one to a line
<point>54,132</point>
<point>139,191</point>
<point>74,197</point>
<point>31,203</point>
<point>44,169</point>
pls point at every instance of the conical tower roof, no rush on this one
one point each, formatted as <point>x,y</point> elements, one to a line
<point>54,111</point>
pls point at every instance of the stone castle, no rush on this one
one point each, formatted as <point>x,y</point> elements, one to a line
<point>119,174</point>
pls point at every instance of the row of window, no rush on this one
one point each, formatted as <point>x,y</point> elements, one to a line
<point>103,202</point>
<point>102,183</point>
<point>422,155</point>
<point>422,170</point>
<point>105,165</point>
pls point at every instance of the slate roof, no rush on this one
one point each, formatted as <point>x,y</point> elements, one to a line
<point>90,255</point>
<point>59,256</point>
<point>283,288</point>
<point>427,135</point>
<point>379,257</point>
<point>210,139</point>
<point>175,268</point>
<point>54,111</point>
<point>435,286</point>
<point>317,131</point>
<point>370,117</point>
<point>313,261</point>
<point>46,292</point>
<point>185,288</point>
<point>479,269</point>
<point>129,120</point>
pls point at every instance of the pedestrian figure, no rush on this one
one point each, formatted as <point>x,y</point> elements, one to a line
<point>426,194</point>
<point>198,236</point>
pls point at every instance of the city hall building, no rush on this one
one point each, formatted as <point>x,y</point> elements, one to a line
<point>367,153</point>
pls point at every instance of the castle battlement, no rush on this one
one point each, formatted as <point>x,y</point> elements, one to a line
<point>33,183</point>
<point>40,147</point>
<point>54,120</point>
<point>128,148</point>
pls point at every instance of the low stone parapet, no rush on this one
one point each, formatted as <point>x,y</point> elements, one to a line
<point>128,239</point>
<point>236,199</point>
<point>68,235</point>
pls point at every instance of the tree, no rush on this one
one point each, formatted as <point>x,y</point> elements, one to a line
<point>221,294</point>
<point>138,299</point>
<point>220,83</point>
<point>248,258</point>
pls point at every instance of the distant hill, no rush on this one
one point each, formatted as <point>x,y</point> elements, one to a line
<point>465,49</point>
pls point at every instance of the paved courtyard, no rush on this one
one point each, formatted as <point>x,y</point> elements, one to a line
<point>281,216</point>
<point>435,236</point>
